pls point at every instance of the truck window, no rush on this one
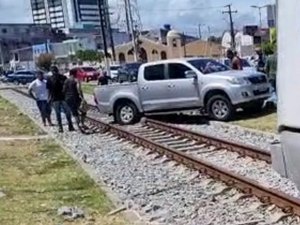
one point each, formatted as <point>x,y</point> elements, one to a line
<point>155,72</point>
<point>177,71</point>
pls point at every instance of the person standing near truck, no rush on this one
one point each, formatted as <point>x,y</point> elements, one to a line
<point>235,61</point>
<point>38,91</point>
<point>57,98</point>
<point>74,98</point>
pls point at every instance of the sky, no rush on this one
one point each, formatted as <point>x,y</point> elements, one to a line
<point>184,15</point>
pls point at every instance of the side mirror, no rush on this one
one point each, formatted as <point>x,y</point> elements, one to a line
<point>191,74</point>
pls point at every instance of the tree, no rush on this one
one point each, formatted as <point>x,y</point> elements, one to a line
<point>44,61</point>
<point>89,55</point>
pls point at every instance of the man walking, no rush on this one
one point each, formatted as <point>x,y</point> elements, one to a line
<point>55,86</point>
<point>39,92</point>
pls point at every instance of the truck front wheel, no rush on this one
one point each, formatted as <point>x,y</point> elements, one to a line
<point>220,108</point>
<point>126,113</point>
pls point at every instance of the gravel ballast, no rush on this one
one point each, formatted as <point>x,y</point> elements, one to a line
<point>160,191</point>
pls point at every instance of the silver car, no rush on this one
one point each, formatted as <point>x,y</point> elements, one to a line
<point>184,84</point>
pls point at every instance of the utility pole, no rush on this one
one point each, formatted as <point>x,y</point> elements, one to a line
<point>132,31</point>
<point>199,31</point>
<point>230,12</point>
<point>127,17</point>
<point>111,37</point>
<point>103,25</point>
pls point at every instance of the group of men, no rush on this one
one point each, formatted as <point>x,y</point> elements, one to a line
<point>62,94</point>
<point>263,64</point>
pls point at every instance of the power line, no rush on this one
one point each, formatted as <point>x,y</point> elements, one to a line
<point>230,12</point>
<point>172,10</point>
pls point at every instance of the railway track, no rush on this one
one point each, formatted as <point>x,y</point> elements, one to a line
<point>182,146</point>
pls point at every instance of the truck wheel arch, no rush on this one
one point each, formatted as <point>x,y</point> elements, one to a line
<point>118,105</point>
<point>214,92</point>
<point>122,100</point>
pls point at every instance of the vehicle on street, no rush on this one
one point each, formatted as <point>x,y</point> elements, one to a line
<point>128,72</point>
<point>114,70</point>
<point>20,77</point>
<point>86,73</point>
<point>176,85</point>
<point>245,63</point>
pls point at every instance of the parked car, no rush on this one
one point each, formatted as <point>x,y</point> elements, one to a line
<point>21,77</point>
<point>184,84</point>
<point>128,72</point>
<point>86,73</point>
<point>245,63</point>
<point>114,70</point>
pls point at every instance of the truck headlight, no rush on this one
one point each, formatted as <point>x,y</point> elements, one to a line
<point>239,81</point>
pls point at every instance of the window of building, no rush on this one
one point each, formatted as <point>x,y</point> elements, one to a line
<point>4,30</point>
<point>177,71</point>
<point>174,43</point>
<point>155,72</point>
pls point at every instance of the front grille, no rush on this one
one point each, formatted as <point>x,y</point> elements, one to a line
<point>256,93</point>
<point>258,79</point>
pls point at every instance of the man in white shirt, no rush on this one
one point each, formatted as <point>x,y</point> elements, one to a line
<point>38,91</point>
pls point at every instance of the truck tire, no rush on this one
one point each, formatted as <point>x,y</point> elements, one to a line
<point>126,113</point>
<point>220,108</point>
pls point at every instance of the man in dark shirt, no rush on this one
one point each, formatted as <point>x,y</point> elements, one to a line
<point>55,85</point>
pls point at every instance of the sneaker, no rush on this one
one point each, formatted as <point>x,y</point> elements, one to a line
<point>60,130</point>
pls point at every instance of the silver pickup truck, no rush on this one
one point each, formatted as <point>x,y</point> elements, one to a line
<point>180,85</point>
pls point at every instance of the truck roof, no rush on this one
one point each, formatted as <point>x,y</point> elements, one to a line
<point>176,60</point>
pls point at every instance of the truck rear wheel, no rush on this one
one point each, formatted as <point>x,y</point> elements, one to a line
<point>126,113</point>
<point>220,108</point>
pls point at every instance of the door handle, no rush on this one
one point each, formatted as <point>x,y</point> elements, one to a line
<point>171,85</point>
<point>145,88</point>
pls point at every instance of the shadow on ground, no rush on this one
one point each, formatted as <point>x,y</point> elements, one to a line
<point>204,120</point>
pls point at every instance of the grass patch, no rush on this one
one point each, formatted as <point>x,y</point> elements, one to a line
<point>88,88</point>
<point>38,178</point>
<point>13,122</point>
<point>266,123</point>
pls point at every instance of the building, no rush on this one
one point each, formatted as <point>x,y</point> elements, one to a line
<point>244,43</point>
<point>175,47</point>
<point>161,35</point>
<point>23,36</point>
<point>271,16</point>
<point>65,14</point>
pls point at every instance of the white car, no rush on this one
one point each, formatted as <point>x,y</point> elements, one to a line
<point>114,70</point>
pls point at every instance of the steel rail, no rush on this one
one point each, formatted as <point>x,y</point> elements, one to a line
<point>247,186</point>
<point>220,143</point>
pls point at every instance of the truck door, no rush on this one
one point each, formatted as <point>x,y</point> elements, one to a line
<point>153,88</point>
<point>183,92</point>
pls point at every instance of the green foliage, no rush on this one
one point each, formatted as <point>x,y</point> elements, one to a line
<point>44,61</point>
<point>89,55</point>
<point>269,48</point>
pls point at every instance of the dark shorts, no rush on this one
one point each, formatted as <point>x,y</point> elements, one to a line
<point>74,105</point>
<point>44,108</point>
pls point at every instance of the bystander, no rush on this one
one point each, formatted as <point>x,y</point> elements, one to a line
<point>39,92</point>
<point>55,86</point>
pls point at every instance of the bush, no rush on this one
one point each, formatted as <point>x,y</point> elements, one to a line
<point>44,61</point>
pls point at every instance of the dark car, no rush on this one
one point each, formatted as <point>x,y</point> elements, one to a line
<point>128,72</point>
<point>21,77</point>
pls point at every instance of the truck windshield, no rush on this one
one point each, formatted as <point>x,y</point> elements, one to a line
<point>207,66</point>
